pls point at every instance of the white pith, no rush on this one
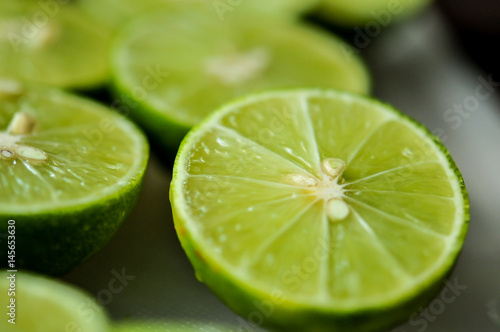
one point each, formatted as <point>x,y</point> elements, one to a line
<point>42,36</point>
<point>9,89</point>
<point>237,68</point>
<point>326,187</point>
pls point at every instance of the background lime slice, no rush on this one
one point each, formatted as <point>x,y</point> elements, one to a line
<point>52,43</point>
<point>43,305</point>
<point>359,12</point>
<point>323,211</point>
<point>70,172</point>
<point>116,12</point>
<point>174,73</point>
<point>157,326</point>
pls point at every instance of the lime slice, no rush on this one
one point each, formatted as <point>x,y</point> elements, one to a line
<point>114,13</point>
<point>177,73</point>
<point>318,210</point>
<point>117,12</point>
<point>374,13</point>
<point>70,172</point>
<point>43,305</point>
<point>158,326</point>
<point>51,43</point>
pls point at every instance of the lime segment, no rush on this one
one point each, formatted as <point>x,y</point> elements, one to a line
<point>44,305</point>
<point>349,210</point>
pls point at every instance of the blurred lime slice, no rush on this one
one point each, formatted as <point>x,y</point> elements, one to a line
<point>44,305</point>
<point>116,12</point>
<point>370,12</point>
<point>172,68</point>
<point>318,210</point>
<point>52,43</point>
<point>70,172</point>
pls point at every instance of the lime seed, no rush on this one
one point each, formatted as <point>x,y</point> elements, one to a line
<point>31,153</point>
<point>337,209</point>
<point>21,124</point>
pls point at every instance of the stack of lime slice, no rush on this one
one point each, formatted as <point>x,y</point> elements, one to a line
<point>174,67</point>
<point>70,172</point>
<point>37,304</point>
<point>52,43</point>
<point>318,211</point>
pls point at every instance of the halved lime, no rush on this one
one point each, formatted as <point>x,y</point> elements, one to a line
<point>70,172</point>
<point>52,43</point>
<point>172,74</point>
<point>117,12</point>
<point>374,13</point>
<point>38,304</point>
<point>318,210</point>
<point>173,326</point>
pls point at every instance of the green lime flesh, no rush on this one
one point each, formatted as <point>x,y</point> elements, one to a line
<point>42,305</point>
<point>70,180</point>
<point>52,43</point>
<point>320,210</point>
<point>171,74</point>
<point>349,13</point>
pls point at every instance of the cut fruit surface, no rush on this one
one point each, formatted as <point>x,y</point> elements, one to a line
<point>359,12</point>
<point>118,12</point>
<point>52,43</point>
<point>70,171</point>
<point>176,73</point>
<point>338,211</point>
<point>43,305</point>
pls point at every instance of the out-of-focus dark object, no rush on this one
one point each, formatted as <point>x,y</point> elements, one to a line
<point>477,23</point>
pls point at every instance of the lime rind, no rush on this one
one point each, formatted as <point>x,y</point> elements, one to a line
<point>235,290</point>
<point>167,326</point>
<point>54,242</point>
<point>159,128</point>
